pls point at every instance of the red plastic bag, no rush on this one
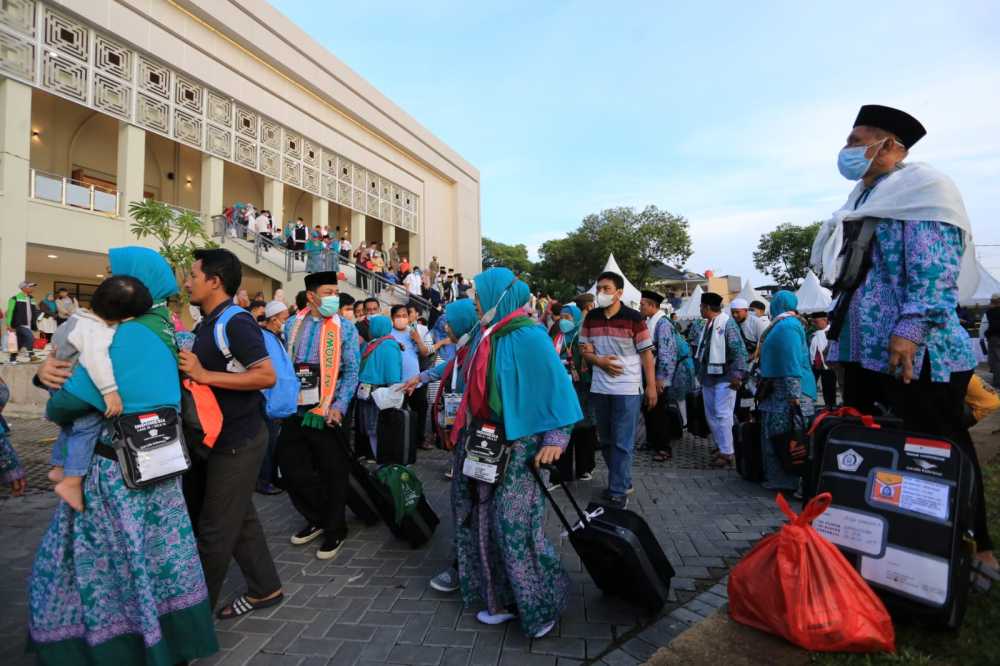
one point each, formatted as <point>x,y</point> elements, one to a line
<point>798,585</point>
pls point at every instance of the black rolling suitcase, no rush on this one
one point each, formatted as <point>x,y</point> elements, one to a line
<point>902,513</point>
<point>618,550</point>
<point>397,437</point>
<point>362,497</point>
<point>746,445</point>
<point>697,422</point>
<point>823,423</point>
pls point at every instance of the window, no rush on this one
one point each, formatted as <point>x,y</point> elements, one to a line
<point>67,35</point>
<point>247,123</point>
<point>154,78</point>
<point>189,95</point>
<point>82,292</point>
<point>114,59</point>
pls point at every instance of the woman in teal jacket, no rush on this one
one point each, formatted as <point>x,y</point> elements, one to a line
<point>121,583</point>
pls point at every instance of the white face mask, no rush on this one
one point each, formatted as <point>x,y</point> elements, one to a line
<point>604,299</point>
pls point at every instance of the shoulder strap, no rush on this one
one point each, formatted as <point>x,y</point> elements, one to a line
<point>219,330</point>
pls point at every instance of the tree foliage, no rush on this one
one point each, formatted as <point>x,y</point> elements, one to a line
<point>783,253</point>
<point>179,234</point>
<point>514,257</point>
<point>638,239</point>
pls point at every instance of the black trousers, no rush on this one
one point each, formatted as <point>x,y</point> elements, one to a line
<point>219,494</point>
<point>827,379</point>
<point>314,465</point>
<point>657,426</point>
<point>934,408</point>
<point>579,457</point>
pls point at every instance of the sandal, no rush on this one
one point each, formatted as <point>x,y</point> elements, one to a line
<point>721,461</point>
<point>241,605</point>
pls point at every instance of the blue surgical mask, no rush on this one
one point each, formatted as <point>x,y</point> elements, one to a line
<point>852,163</point>
<point>329,305</point>
<point>566,326</point>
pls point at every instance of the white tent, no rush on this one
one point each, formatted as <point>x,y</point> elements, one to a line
<point>750,294</point>
<point>813,297</point>
<point>691,306</point>
<point>988,285</point>
<point>630,295</point>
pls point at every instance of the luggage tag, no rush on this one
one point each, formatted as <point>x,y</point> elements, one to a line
<point>308,375</point>
<point>715,369</point>
<point>486,453</point>
<point>451,401</point>
<point>364,391</point>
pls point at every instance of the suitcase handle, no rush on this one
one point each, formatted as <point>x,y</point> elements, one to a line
<point>584,518</point>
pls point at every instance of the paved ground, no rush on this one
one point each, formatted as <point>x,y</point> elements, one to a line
<point>372,603</point>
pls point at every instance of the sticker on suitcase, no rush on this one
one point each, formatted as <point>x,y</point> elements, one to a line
<point>899,491</point>
<point>916,575</point>
<point>921,446</point>
<point>853,530</point>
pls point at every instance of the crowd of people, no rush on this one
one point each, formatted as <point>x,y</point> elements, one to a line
<point>134,574</point>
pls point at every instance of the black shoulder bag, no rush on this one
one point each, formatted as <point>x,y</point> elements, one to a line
<point>150,447</point>
<point>857,261</point>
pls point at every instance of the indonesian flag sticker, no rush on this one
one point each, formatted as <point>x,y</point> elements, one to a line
<point>920,446</point>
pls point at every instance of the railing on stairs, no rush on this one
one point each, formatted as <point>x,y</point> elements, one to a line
<point>275,252</point>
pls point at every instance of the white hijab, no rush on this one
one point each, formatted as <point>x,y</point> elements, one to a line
<point>915,191</point>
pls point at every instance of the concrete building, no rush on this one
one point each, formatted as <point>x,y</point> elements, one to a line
<point>201,104</point>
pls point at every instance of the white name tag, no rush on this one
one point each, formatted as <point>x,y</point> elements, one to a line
<point>746,402</point>
<point>480,471</point>
<point>364,391</point>
<point>715,369</point>
<point>451,403</point>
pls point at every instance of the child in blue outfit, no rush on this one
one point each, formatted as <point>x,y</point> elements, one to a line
<point>86,338</point>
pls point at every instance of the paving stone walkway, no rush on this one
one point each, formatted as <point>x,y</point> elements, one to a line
<point>372,604</point>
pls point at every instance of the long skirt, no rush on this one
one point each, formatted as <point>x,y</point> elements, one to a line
<point>773,423</point>
<point>504,560</point>
<point>120,583</point>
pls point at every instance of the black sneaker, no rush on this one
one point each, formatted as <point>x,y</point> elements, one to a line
<point>618,502</point>
<point>329,548</point>
<point>306,535</point>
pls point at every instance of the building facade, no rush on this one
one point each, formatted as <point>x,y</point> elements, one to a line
<point>202,104</point>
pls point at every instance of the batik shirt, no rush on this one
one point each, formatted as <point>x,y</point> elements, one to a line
<point>736,355</point>
<point>911,291</point>
<point>666,351</point>
<point>307,351</point>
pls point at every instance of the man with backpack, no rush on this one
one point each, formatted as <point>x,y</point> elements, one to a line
<point>312,449</point>
<point>281,400</point>
<point>219,486</point>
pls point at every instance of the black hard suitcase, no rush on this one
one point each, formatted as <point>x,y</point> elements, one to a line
<point>823,423</point>
<point>902,513</point>
<point>697,423</point>
<point>362,493</point>
<point>619,551</point>
<point>397,437</point>
<point>749,455</point>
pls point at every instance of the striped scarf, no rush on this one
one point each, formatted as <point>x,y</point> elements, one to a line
<point>329,366</point>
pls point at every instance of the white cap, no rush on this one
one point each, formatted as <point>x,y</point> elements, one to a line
<point>274,308</point>
<point>739,304</point>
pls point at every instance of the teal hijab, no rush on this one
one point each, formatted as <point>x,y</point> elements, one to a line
<point>384,364</point>
<point>461,316</point>
<point>525,363</point>
<point>577,322</point>
<point>784,352</point>
<point>142,352</point>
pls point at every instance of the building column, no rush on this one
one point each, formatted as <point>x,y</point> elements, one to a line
<point>212,179</point>
<point>131,167</point>
<point>357,228</point>
<point>416,250</point>
<point>274,201</point>
<point>15,167</point>
<point>388,236</point>
<point>320,212</point>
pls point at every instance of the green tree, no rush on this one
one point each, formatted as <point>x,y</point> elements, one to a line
<point>179,234</point>
<point>638,239</point>
<point>514,257</point>
<point>784,253</point>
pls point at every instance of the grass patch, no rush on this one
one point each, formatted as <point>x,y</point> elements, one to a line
<point>978,641</point>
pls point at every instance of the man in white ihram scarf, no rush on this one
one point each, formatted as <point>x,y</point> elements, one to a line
<point>897,333</point>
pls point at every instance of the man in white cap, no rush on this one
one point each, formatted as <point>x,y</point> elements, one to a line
<point>22,313</point>
<point>275,315</point>
<point>751,326</point>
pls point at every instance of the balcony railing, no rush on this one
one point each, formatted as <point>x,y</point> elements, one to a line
<point>68,192</point>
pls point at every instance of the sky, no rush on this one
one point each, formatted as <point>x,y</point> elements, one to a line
<point>730,114</point>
